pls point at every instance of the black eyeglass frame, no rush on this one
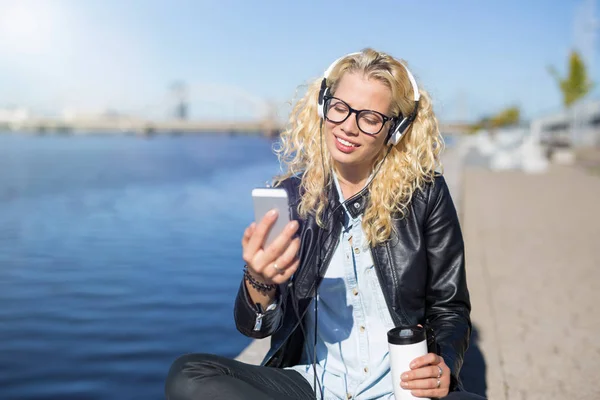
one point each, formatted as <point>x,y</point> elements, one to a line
<point>356,113</point>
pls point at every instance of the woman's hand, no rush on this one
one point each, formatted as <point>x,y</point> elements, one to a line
<point>429,376</point>
<point>279,260</point>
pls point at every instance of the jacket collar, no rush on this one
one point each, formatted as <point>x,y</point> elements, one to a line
<point>355,205</point>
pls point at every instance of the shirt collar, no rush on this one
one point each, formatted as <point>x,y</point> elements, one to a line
<point>358,204</point>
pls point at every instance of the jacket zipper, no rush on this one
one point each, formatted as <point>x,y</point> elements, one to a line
<point>259,317</point>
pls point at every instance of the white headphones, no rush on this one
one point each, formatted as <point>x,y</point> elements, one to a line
<point>398,127</point>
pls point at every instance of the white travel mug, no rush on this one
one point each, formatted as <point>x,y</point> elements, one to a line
<point>405,344</point>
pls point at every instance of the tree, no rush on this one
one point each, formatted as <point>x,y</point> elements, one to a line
<point>508,117</point>
<point>576,85</point>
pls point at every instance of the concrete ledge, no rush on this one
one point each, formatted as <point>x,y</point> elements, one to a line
<point>255,352</point>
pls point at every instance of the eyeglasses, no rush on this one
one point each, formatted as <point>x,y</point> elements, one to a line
<point>368,121</point>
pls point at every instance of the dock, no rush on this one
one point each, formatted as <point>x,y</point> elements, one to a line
<point>116,126</point>
<point>139,126</point>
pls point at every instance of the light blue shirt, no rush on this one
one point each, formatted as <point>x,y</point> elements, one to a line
<point>353,321</point>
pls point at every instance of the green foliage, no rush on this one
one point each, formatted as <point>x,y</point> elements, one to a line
<point>576,85</point>
<point>507,117</point>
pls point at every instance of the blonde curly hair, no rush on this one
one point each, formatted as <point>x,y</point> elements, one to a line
<point>407,167</point>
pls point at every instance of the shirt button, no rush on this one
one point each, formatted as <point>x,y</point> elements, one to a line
<point>355,291</point>
<point>362,328</point>
<point>356,250</point>
<point>366,369</point>
<point>348,396</point>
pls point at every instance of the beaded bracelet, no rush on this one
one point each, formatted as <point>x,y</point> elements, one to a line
<point>261,287</point>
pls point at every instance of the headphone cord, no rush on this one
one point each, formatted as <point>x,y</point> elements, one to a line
<point>319,241</point>
<point>319,258</point>
<point>317,269</point>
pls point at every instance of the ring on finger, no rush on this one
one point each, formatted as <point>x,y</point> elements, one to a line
<point>438,384</point>
<point>279,271</point>
<point>441,372</point>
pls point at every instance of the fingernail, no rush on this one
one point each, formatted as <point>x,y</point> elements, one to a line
<point>412,365</point>
<point>273,212</point>
<point>404,384</point>
<point>404,377</point>
<point>293,225</point>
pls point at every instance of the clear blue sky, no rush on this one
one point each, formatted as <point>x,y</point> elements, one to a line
<point>474,57</point>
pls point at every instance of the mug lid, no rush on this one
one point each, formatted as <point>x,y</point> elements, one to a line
<point>406,335</point>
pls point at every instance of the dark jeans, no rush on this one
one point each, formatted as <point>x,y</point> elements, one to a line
<point>206,376</point>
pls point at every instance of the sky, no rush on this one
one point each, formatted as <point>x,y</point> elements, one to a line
<point>474,57</point>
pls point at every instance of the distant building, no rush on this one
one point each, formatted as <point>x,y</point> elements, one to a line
<point>13,114</point>
<point>12,118</point>
<point>578,126</point>
<point>181,111</point>
<point>179,95</point>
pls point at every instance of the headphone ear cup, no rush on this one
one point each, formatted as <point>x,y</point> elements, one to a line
<point>397,131</point>
<point>390,134</point>
<point>321,101</point>
<point>321,110</point>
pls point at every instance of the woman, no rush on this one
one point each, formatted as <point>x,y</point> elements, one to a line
<point>375,238</point>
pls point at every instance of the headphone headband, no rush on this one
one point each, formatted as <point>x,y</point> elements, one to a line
<point>411,78</point>
<point>399,128</point>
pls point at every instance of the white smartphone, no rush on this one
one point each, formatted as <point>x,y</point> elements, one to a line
<point>266,199</point>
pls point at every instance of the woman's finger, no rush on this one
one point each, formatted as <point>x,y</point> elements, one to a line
<point>290,254</point>
<point>260,232</point>
<point>272,253</point>
<point>287,274</point>
<point>431,371</point>
<point>416,379</point>
<point>430,393</point>
<point>429,383</point>
<point>427,359</point>
<point>285,260</point>
<point>248,234</point>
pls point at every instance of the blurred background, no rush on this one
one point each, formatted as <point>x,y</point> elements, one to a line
<point>132,132</point>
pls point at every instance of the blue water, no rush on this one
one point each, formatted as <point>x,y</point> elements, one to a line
<point>117,254</point>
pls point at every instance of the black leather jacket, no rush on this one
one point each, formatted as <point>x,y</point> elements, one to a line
<point>421,271</point>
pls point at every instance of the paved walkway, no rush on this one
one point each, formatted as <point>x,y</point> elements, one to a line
<point>533,260</point>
